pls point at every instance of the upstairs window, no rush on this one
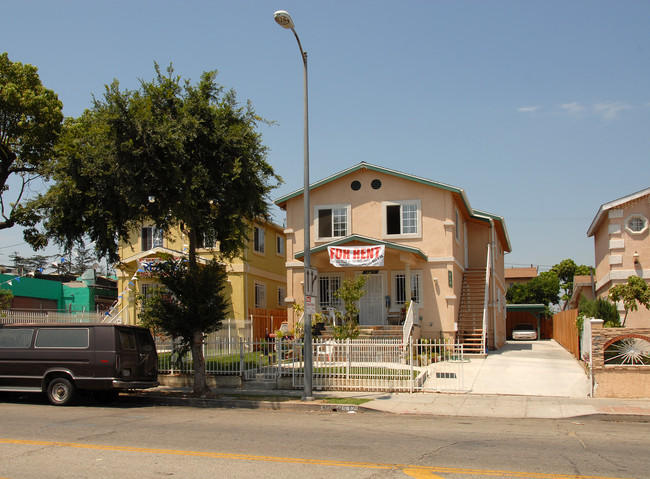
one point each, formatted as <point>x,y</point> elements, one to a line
<point>151,237</point>
<point>207,239</point>
<point>258,240</point>
<point>636,224</point>
<point>332,221</point>
<point>279,245</point>
<point>402,218</point>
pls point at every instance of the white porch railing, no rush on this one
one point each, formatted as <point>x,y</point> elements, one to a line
<point>486,302</point>
<point>409,321</point>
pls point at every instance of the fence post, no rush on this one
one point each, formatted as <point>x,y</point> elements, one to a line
<point>278,344</point>
<point>241,358</point>
<point>411,380</point>
<point>348,362</point>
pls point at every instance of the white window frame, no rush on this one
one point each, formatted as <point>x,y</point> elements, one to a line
<point>401,204</point>
<point>318,209</point>
<point>282,295</point>
<point>155,237</point>
<point>331,301</point>
<point>416,290</point>
<point>457,228</point>
<point>259,239</point>
<point>280,245</point>
<point>259,295</point>
<point>636,216</point>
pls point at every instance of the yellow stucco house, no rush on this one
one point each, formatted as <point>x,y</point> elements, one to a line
<point>256,281</point>
<point>622,247</point>
<point>436,250</point>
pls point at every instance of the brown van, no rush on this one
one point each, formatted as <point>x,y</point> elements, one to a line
<point>60,359</point>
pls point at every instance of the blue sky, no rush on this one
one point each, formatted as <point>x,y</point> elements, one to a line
<point>540,110</point>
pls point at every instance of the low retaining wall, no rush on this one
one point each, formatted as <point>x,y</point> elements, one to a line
<point>187,381</point>
<point>618,380</point>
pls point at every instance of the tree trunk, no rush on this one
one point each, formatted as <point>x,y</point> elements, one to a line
<point>200,383</point>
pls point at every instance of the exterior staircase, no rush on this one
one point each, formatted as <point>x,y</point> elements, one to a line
<point>470,315</point>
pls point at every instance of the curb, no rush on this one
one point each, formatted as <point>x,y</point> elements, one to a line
<point>312,406</point>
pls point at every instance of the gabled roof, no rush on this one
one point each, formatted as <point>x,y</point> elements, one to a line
<point>614,204</point>
<point>476,214</point>
<point>158,250</point>
<point>364,239</point>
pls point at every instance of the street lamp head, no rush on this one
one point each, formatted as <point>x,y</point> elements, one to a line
<point>283,19</point>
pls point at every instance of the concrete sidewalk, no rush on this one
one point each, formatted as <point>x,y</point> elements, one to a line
<point>525,379</point>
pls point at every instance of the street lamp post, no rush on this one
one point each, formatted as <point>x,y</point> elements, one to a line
<point>283,19</point>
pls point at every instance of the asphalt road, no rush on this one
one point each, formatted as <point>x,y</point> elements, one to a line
<point>126,440</point>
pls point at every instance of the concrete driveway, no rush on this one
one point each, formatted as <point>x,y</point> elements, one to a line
<point>527,368</point>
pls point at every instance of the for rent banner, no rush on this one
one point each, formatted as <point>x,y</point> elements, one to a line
<point>356,255</point>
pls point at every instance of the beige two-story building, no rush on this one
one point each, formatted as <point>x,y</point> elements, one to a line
<point>415,240</point>
<point>622,247</point>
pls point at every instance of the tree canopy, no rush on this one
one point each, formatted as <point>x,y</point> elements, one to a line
<point>170,153</point>
<point>30,122</point>
<point>566,270</point>
<point>542,289</point>
<point>632,293</point>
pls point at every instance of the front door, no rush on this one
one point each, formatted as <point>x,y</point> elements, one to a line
<point>371,304</point>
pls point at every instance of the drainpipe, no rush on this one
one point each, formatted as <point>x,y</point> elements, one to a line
<point>493,282</point>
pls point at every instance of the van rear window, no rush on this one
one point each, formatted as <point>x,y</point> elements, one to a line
<point>16,338</point>
<point>62,338</point>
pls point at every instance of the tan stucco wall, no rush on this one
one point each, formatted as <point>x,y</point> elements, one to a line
<point>615,247</point>
<point>622,381</point>
<point>437,240</point>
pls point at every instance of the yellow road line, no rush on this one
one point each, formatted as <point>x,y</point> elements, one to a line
<point>420,472</point>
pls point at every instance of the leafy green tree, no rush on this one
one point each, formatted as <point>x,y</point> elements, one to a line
<point>350,292</point>
<point>600,308</point>
<point>542,289</point>
<point>188,304</point>
<point>30,122</point>
<point>633,293</point>
<point>5,299</point>
<point>172,153</point>
<point>566,270</point>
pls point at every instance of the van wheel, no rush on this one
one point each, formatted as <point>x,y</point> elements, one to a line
<point>105,397</point>
<point>60,392</point>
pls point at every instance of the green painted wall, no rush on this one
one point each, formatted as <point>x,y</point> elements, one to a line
<point>33,288</point>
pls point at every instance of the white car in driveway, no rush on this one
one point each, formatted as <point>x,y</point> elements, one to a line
<point>524,331</point>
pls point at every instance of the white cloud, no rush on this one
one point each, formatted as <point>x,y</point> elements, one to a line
<point>610,111</point>
<point>528,109</point>
<point>573,109</point>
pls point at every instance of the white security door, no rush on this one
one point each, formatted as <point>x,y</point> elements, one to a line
<point>371,305</point>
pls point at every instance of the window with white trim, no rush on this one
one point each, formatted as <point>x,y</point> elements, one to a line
<point>260,295</point>
<point>258,240</point>
<point>279,245</point>
<point>332,221</point>
<point>327,286</point>
<point>151,237</point>
<point>207,239</point>
<point>402,218</point>
<point>282,294</point>
<point>457,225</point>
<point>636,224</point>
<point>399,287</point>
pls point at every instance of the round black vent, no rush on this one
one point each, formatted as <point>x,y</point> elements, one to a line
<point>376,184</point>
<point>355,185</point>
